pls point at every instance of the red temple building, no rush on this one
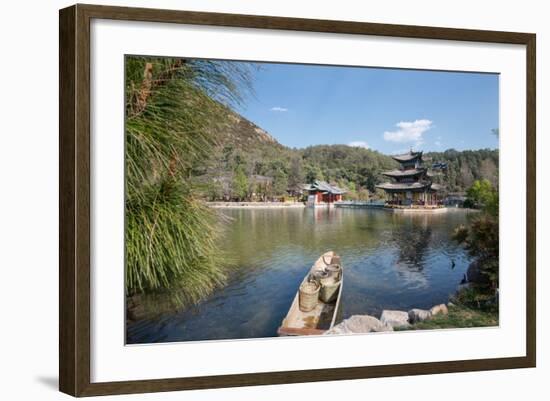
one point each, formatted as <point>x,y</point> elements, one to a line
<point>321,193</point>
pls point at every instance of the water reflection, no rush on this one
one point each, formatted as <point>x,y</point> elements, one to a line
<point>391,262</point>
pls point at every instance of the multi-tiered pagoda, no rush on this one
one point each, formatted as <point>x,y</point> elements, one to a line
<point>412,187</point>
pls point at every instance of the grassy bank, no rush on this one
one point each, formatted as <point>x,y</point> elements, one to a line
<point>459,317</point>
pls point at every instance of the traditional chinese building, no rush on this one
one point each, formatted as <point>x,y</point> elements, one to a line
<point>412,185</point>
<point>321,193</point>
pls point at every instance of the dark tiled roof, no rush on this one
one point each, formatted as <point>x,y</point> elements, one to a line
<point>403,186</point>
<point>407,156</point>
<point>409,186</point>
<point>404,173</point>
<point>325,187</point>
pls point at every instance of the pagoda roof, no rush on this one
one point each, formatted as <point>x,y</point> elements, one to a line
<point>404,173</point>
<point>409,186</point>
<point>323,186</point>
<point>410,156</point>
<point>403,186</point>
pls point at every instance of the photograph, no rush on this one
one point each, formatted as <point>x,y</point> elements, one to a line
<point>268,200</point>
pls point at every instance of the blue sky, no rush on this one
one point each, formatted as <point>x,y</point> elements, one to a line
<point>388,110</point>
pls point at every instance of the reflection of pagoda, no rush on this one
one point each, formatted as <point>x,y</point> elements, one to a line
<point>412,188</point>
<point>414,243</point>
<point>413,240</point>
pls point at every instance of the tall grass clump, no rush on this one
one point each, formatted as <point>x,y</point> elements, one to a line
<point>174,107</point>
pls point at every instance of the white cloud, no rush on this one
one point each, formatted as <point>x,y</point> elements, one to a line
<point>359,144</point>
<point>278,108</point>
<point>437,143</point>
<point>408,131</point>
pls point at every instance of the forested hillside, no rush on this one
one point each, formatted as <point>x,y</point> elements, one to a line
<point>464,167</point>
<point>249,164</point>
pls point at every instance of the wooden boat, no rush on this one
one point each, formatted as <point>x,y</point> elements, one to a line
<point>323,316</point>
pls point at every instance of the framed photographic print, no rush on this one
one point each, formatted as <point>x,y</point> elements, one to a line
<point>250,200</point>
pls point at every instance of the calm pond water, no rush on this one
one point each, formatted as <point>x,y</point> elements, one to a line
<point>390,262</point>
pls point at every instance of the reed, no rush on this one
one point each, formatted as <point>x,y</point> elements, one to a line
<point>173,109</point>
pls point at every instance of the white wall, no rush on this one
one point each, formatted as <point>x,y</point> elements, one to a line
<point>28,198</point>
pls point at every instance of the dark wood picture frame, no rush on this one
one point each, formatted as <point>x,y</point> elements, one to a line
<point>74,199</point>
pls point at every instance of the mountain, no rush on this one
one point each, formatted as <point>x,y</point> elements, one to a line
<point>244,134</point>
<point>249,154</point>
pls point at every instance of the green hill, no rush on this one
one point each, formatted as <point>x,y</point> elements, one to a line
<point>247,159</point>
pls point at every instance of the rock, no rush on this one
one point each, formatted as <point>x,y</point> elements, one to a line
<point>395,318</point>
<point>437,309</point>
<point>359,324</point>
<point>419,315</point>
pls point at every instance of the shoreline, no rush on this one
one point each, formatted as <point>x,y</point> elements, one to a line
<point>297,205</point>
<point>255,205</point>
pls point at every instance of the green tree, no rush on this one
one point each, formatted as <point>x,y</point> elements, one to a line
<point>314,173</point>
<point>239,185</point>
<point>481,239</point>
<point>215,190</point>
<point>296,174</point>
<point>370,177</point>
<point>363,194</point>
<point>484,195</point>
<point>280,183</point>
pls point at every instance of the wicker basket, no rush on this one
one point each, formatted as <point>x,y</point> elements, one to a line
<point>329,289</point>
<point>335,260</point>
<point>318,275</point>
<point>334,270</point>
<point>328,280</point>
<point>309,296</point>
